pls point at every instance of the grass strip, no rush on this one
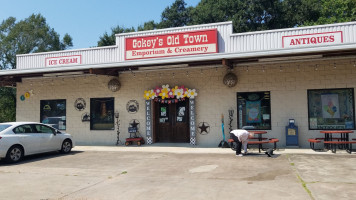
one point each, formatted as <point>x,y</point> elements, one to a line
<point>304,184</point>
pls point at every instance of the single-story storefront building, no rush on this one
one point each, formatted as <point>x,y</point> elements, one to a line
<point>179,85</point>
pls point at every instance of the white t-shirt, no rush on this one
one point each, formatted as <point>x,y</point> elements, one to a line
<point>241,134</point>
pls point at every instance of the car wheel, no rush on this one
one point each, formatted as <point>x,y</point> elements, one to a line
<point>66,146</point>
<point>14,154</point>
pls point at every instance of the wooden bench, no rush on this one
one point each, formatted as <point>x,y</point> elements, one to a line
<point>329,138</point>
<point>259,143</point>
<point>256,138</point>
<point>312,141</point>
<point>274,141</point>
<point>335,143</point>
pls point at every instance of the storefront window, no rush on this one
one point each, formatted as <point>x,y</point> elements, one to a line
<point>331,109</point>
<point>102,114</point>
<point>53,113</point>
<point>254,110</point>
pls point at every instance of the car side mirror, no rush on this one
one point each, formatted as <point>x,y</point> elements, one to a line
<point>57,132</point>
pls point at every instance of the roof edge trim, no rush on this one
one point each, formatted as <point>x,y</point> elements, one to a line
<point>67,51</point>
<point>173,29</point>
<point>210,57</point>
<point>294,29</point>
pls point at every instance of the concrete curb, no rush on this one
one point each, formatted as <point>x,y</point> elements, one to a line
<point>196,150</point>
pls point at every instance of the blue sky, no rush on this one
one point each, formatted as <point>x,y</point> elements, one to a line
<point>87,20</point>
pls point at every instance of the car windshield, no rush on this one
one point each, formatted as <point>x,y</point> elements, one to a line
<point>4,126</point>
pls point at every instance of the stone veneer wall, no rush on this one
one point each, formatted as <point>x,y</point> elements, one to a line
<point>288,84</point>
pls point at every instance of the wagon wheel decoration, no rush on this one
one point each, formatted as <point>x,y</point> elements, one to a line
<point>132,106</point>
<point>80,104</point>
<point>204,128</point>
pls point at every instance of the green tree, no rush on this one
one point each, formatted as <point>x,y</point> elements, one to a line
<point>247,15</point>
<point>7,104</point>
<point>299,12</point>
<point>150,25</point>
<point>108,40</point>
<point>210,11</point>
<point>255,15</point>
<point>175,15</point>
<point>26,36</point>
<point>335,11</point>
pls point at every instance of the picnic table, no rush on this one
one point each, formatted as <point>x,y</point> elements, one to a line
<point>334,139</point>
<point>259,140</point>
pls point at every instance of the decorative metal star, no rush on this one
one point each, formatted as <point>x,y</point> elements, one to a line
<point>204,128</point>
<point>134,124</point>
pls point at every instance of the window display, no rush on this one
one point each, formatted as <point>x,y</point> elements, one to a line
<point>53,112</point>
<point>102,114</point>
<point>254,110</point>
<point>331,109</point>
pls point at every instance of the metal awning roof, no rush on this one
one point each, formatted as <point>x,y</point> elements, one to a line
<point>9,77</point>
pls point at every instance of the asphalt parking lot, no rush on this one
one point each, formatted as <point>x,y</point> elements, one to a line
<point>179,173</point>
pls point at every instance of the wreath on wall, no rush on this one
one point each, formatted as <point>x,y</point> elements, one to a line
<point>80,104</point>
<point>132,106</point>
<point>177,92</point>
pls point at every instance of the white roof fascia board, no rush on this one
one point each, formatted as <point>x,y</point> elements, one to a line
<point>181,29</point>
<point>293,29</point>
<point>178,59</point>
<point>67,51</point>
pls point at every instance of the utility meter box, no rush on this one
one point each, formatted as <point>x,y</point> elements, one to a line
<point>292,134</point>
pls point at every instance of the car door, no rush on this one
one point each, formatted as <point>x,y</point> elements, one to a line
<point>49,140</point>
<point>29,139</point>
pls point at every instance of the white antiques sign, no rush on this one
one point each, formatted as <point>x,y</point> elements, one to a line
<point>315,39</point>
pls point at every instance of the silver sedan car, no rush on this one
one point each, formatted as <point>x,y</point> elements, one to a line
<point>19,139</point>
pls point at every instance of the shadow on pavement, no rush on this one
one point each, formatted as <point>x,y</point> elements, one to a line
<point>39,157</point>
<point>262,154</point>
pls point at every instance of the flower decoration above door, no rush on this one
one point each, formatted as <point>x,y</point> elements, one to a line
<point>177,92</point>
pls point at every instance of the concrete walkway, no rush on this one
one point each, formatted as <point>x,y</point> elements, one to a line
<point>187,148</point>
<point>163,172</point>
